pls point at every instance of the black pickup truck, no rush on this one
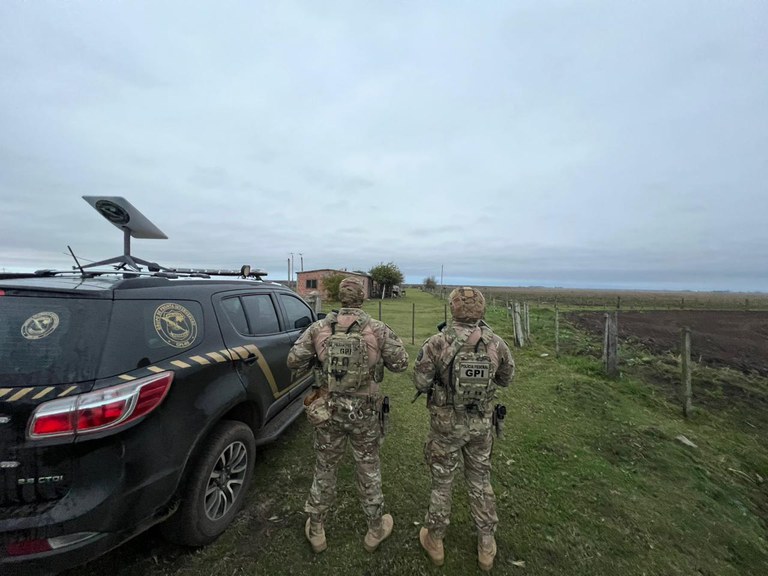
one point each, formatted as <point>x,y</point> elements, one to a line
<point>130,399</point>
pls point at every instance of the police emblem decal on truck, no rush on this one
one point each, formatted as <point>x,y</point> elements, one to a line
<point>40,325</point>
<point>175,325</point>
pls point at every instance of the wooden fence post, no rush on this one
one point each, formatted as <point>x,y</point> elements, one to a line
<point>685,362</point>
<point>557,332</point>
<point>511,311</point>
<point>611,346</point>
<point>527,308</point>
<point>379,309</point>
<point>519,336</point>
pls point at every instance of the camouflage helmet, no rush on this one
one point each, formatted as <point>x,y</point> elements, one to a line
<point>467,304</point>
<point>351,292</point>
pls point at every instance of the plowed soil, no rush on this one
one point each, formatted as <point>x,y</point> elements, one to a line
<point>720,338</point>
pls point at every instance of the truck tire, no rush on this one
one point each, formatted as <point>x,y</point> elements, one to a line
<point>215,488</point>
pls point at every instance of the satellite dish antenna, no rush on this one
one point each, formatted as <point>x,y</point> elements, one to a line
<point>125,216</point>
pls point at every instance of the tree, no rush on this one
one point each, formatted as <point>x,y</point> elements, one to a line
<point>331,285</point>
<point>430,284</point>
<point>387,275</point>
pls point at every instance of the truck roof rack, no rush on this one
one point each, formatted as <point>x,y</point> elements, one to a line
<point>245,272</point>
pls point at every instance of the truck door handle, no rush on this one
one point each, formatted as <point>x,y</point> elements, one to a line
<point>250,360</point>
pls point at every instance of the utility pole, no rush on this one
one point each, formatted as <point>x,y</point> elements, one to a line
<point>302,261</point>
<point>441,280</point>
<point>290,280</point>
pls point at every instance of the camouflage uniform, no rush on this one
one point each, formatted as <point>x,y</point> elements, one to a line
<point>353,415</point>
<point>457,432</point>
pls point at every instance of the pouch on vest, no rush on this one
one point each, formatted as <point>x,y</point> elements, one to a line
<point>472,378</point>
<point>316,406</point>
<point>346,362</point>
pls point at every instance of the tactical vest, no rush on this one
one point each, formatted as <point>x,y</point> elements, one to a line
<point>471,372</point>
<point>349,353</point>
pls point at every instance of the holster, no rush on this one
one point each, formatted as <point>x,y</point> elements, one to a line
<point>317,406</point>
<point>384,415</point>
<point>498,415</point>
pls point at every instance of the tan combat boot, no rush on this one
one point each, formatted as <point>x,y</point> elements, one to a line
<point>315,533</point>
<point>486,551</point>
<point>433,546</point>
<point>378,532</point>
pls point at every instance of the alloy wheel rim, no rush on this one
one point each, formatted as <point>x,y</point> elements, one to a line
<point>226,481</point>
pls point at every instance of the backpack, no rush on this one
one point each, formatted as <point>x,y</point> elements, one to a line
<point>471,374</point>
<point>346,363</point>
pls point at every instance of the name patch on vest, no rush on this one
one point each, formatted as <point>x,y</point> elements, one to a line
<point>476,370</point>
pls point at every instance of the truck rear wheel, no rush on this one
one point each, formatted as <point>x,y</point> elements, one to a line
<point>216,487</point>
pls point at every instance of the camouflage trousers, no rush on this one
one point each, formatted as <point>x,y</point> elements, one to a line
<point>363,433</point>
<point>455,436</point>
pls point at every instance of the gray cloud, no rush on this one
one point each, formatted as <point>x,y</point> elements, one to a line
<point>592,145</point>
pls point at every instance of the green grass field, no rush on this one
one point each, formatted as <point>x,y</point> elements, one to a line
<point>627,299</point>
<point>589,480</point>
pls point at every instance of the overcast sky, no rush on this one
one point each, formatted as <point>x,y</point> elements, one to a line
<point>581,144</point>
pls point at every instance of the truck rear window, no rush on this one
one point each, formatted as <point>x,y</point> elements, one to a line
<point>51,340</point>
<point>47,341</point>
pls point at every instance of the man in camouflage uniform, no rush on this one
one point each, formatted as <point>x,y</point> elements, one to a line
<point>350,413</point>
<point>461,422</point>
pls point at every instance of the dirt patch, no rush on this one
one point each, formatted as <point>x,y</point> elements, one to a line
<point>718,338</point>
<point>731,347</point>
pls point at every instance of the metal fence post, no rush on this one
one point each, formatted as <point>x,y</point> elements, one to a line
<point>685,362</point>
<point>611,343</point>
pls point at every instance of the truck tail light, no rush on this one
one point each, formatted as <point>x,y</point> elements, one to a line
<point>29,547</point>
<point>105,409</point>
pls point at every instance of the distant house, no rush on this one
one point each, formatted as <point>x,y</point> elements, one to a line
<point>312,281</point>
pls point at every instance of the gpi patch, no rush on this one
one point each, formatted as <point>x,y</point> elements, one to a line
<point>473,374</point>
<point>175,325</point>
<point>40,325</point>
<point>476,370</point>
